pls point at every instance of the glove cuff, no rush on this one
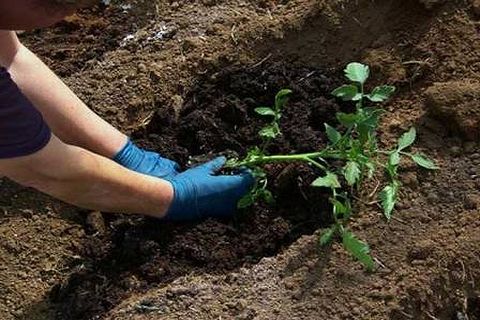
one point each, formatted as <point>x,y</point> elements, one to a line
<point>127,156</point>
<point>184,206</point>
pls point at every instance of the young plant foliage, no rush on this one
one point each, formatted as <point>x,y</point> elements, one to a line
<point>355,146</point>
<point>358,249</point>
<point>357,72</point>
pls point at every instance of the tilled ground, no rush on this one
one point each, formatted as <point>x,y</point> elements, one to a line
<point>126,254</point>
<point>188,74</point>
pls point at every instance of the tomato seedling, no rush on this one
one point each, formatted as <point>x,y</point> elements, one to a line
<point>355,146</point>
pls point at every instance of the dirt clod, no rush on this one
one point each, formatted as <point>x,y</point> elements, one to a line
<point>410,179</point>
<point>476,7</point>
<point>457,105</point>
<point>95,223</point>
<point>429,4</point>
<point>386,64</point>
<point>472,202</point>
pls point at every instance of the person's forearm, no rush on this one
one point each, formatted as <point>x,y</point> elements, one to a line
<point>71,120</point>
<point>87,180</point>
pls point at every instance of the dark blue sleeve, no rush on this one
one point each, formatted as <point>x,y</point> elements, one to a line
<point>22,128</point>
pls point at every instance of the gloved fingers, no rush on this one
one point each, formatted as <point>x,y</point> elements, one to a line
<point>241,183</point>
<point>248,178</point>
<point>214,166</point>
<point>244,170</point>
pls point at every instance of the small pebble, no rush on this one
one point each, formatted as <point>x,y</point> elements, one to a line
<point>432,197</point>
<point>95,223</point>
<point>402,205</point>
<point>471,202</point>
<point>477,184</point>
<point>410,179</point>
<point>142,67</point>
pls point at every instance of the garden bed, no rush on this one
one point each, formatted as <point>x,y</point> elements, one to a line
<point>191,95</point>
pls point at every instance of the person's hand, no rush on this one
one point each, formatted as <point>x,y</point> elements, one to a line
<point>146,162</point>
<point>199,193</point>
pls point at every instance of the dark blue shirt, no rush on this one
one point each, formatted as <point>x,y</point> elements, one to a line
<point>22,128</point>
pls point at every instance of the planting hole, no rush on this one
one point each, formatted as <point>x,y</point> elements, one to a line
<point>216,116</point>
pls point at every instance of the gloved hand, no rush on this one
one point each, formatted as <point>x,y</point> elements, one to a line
<point>199,193</point>
<point>146,162</point>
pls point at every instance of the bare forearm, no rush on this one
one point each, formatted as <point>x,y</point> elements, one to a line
<point>82,178</point>
<point>70,119</point>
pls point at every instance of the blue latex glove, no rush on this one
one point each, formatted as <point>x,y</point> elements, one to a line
<point>199,193</point>
<point>146,162</point>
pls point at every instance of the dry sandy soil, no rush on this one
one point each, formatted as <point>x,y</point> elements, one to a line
<point>182,78</point>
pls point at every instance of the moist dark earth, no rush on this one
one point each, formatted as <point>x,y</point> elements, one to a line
<point>216,117</point>
<point>183,78</point>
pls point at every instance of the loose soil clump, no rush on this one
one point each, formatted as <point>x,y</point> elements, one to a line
<point>456,103</point>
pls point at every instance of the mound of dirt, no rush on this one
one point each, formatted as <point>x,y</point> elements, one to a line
<point>457,104</point>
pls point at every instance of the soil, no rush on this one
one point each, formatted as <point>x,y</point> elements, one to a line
<point>183,78</point>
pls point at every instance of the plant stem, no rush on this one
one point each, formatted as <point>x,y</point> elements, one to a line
<point>305,157</point>
<point>316,164</point>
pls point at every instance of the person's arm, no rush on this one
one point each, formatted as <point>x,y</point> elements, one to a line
<point>82,178</point>
<point>68,117</point>
<point>87,180</point>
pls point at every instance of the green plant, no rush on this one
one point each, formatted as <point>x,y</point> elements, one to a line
<point>356,147</point>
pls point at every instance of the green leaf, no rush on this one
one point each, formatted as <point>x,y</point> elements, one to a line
<point>381,93</point>
<point>281,98</point>
<point>352,172</point>
<point>348,119</point>
<point>329,181</point>
<point>246,201</point>
<point>341,210</point>
<point>270,132</point>
<point>267,196</point>
<point>346,92</point>
<point>424,162</point>
<point>232,163</point>
<point>358,249</point>
<point>333,135</point>
<point>258,173</point>
<point>357,72</point>
<point>371,169</point>
<point>407,139</point>
<point>357,97</point>
<point>254,152</point>
<point>367,124</point>
<point>265,111</point>
<point>388,197</point>
<point>394,159</point>
<point>371,117</point>
<point>327,236</point>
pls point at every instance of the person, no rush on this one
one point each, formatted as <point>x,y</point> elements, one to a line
<point>51,141</point>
